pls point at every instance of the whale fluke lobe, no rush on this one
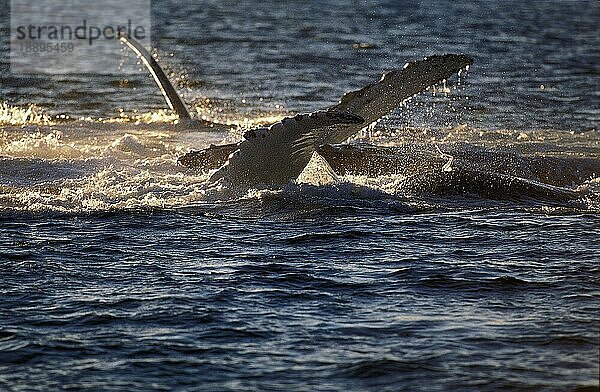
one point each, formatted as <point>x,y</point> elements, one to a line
<point>164,84</point>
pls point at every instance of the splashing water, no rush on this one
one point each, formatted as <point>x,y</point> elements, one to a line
<point>130,162</point>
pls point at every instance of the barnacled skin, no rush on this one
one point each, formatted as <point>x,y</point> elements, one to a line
<point>208,159</point>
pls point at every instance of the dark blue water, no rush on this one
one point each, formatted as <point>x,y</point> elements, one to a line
<point>116,273</point>
<point>356,299</point>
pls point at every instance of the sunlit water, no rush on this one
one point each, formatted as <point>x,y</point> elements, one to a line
<point>118,271</point>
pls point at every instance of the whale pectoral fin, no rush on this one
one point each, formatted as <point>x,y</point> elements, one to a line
<point>173,99</point>
<point>379,99</point>
<point>275,155</point>
<point>210,158</point>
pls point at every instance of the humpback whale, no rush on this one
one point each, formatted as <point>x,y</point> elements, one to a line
<point>173,99</point>
<point>273,156</point>
<point>410,160</point>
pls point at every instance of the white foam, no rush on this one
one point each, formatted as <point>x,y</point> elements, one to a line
<point>112,165</point>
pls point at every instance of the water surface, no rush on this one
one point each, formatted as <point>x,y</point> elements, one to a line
<point>117,273</point>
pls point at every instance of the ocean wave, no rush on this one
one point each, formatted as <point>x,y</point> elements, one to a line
<point>502,283</point>
<point>387,368</point>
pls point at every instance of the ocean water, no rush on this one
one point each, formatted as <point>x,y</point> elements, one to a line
<point>117,272</point>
